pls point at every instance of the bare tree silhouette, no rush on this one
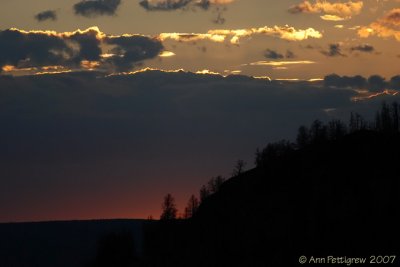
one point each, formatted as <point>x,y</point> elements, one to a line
<point>191,208</point>
<point>169,210</point>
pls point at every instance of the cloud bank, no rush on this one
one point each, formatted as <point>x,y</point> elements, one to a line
<point>93,138</point>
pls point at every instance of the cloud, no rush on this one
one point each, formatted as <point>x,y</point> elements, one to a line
<point>46,15</point>
<point>130,50</point>
<point>221,35</point>
<point>32,49</point>
<point>271,54</point>
<point>333,11</point>
<point>281,63</point>
<point>334,51</point>
<point>168,5</point>
<point>333,18</point>
<point>290,54</point>
<point>218,6</point>
<point>395,82</point>
<point>93,8</point>
<point>385,27</point>
<point>356,82</point>
<point>87,49</point>
<point>164,5</point>
<point>366,48</point>
<point>374,83</point>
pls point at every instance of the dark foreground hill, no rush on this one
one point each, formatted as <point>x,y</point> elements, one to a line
<point>62,244</point>
<point>337,198</point>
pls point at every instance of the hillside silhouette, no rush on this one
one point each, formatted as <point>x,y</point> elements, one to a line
<point>335,194</point>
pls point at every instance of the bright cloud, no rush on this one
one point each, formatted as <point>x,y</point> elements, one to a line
<point>386,27</point>
<point>333,11</point>
<point>234,36</point>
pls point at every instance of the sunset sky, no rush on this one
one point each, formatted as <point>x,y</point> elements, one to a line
<point>304,39</point>
<point>97,121</point>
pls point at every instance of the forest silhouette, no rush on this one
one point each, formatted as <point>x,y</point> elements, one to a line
<point>334,191</point>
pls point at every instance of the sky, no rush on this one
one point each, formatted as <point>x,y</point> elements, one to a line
<point>108,105</point>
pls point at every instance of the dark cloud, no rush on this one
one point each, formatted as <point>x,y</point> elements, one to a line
<point>130,50</point>
<point>46,15</point>
<point>164,5</point>
<point>81,139</point>
<point>334,50</point>
<point>32,49</point>
<point>92,8</point>
<point>271,54</point>
<point>89,46</point>
<point>170,5</point>
<point>395,82</point>
<point>363,48</point>
<point>290,54</point>
<point>36,49</point>
<point>357,82</point>
<point>374,83</point>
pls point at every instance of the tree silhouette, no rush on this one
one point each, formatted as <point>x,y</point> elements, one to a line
<point>212,187</point>
<point>274,151</point>
<point>357,122</point>
<point>191,208</point>
<point>336,129</point>
<point>318,132</point>
<point>239,168</point>
<point>303,137</point>
<point>204,193</point>
<point>169,210</point>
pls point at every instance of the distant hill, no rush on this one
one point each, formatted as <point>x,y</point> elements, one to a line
<point>60,244</point>
<point>331,198</point>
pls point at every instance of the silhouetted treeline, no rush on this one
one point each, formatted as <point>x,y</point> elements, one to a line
<point>387,120</point>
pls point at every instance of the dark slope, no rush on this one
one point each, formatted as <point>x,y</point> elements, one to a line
<point>333,198</point>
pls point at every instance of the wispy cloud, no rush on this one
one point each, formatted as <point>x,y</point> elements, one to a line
<point>366,48</point>
<point>333,18</point>
<point>280,63</point>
